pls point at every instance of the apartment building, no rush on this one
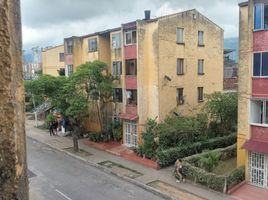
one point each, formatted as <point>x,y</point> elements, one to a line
<point>53,61</point>
<point>252,139</point>
<point>164,66</point>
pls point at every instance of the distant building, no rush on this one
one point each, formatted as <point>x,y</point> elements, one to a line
<point>252,138</point>
<point>230,70</point>
<point>32,63</point>
<point>164,66</point>
<point>53,61</point>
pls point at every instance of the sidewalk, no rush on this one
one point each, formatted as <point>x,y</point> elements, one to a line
<point>161,182</point>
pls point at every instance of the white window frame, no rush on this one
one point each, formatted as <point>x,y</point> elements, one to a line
<point>180,35</point>
<point>200,100</point>
<point>180,66</point>
<point>262,16</point>
<point>259,52</point>
<point>116,44</point>
<point>131,136</point>
<point>200,66</point>
<point>253,112</point>
<point>130,32</point>
<point>117,68</point>
<point>90,49</point>
<point>180,98</point>
<point>202,38</point>
<point>258,169</point>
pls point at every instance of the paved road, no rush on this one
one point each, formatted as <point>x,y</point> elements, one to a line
<point>56,176</point>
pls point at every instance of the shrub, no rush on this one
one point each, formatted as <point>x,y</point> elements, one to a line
<point>95,137</point>
<point>169,156</point>
<point>50,118</point>
<point>209,161</point>
<point>216,182</point>
<point>116,129</point>
<point>180,130</point>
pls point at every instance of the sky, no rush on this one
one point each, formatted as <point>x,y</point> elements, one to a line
<point>47,22</point>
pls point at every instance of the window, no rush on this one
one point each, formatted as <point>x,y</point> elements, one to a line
<point>131,67</point>
<point>259,111</point>
<point>200,38</point>
<point>180,66</point>
<point>180,98</point>
<point>200,94</point>
<point>260,64</point>
<point>61,57</point>
<point>131,97</point>
<point>69,70</point>
<point>260,16</point>
<point>179,34</point>
<point>118,96</point>
<point>200,67</point>
<point>69,47</point>
<point>130,37</point>
<point>117,68</point>
<point>116,40</point>
<point>92,45</point>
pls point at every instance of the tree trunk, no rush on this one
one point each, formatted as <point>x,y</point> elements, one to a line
<point>75,143</point>
<point>99,116</point>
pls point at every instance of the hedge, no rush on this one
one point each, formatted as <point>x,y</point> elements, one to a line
<point>169,156</point>
<point>216,182</point>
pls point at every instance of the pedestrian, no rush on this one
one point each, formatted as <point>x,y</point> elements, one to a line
<point>55,126</point>
<point>51,132</point>
<point>178,171</point>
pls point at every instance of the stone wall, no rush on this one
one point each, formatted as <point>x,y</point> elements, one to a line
<point>13,174</point>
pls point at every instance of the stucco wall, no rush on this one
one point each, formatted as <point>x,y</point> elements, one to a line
<point>212,53</point>
<point>51,60</point>
<point>13,166</point>
<point>245,83</point>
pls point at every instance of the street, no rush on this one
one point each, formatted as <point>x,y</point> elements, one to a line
<point>56,176</point>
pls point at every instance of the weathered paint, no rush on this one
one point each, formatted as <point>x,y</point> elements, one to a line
<point>51,60</point>
<point>130,52</point>
<point>260,87</point>
<point>259,133</point>
<point>244,80</point>
<point>260,41</point>
<point>13,165</point>
<point>131,82</point>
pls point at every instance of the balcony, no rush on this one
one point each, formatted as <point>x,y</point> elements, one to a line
<point>259,133</point>
<point>260,87</point>
<point>131,109</point>
<point>68,59</point>
<point>131,82</point>
<point>130,51</point>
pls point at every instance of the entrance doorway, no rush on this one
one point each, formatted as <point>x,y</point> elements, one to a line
<point>130,131</point>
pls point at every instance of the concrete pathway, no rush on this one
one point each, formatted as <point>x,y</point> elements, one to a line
<point>150,175</point>
<point>250,192</point>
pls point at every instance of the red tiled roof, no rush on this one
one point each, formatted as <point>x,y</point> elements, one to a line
<point>127,116</point>
<point>257,146</point>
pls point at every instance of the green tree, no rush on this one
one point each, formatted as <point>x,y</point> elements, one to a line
<point>96,84</point>
<point>222,108</point>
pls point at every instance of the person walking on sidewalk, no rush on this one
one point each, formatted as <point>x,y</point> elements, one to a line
<point>51,132</point>
<point>178,171</point>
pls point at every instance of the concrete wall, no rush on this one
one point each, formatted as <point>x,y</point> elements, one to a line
<point>13,166</point>
<point>212,53</point>
<point>244,86</point>
<point>51,60</point>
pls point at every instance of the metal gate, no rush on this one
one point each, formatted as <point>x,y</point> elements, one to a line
<point>258,163</point>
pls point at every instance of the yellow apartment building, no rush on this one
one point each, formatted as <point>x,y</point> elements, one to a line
<point>252,138</point>
<point>164,66</point>
<point>53,60</point>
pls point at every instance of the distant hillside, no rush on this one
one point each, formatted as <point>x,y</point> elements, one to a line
<point>232,43</point>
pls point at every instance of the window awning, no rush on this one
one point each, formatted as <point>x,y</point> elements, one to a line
<point>257,146</point>
<point>126,116</point>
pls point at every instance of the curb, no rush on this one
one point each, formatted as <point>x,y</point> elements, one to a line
<point>106,170</point>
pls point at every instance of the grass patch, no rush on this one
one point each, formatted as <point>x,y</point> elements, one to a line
<point>225,166</point>
<point>118,168</point>
<point>81,152</point>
